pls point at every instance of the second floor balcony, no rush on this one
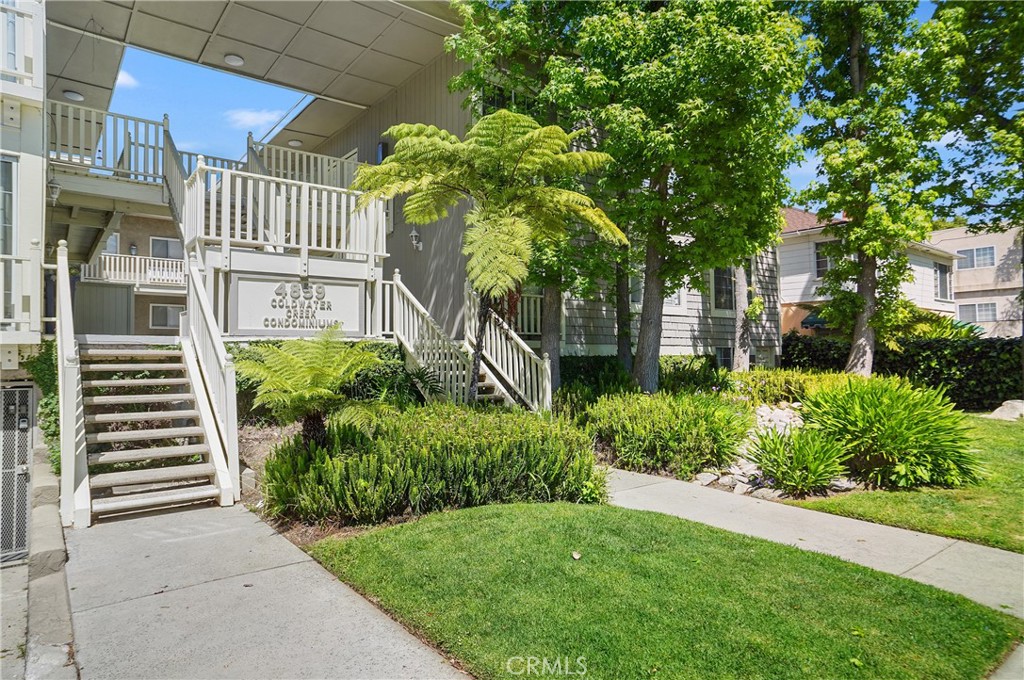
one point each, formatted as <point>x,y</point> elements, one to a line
<point>147,274</point>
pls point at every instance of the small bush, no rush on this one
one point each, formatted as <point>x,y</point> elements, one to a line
<point>772,386</point>
<point>431,458</point>
<point>897,435</point>
<point>800,462</point>
<point>693,374</point>
<point>679,434</point>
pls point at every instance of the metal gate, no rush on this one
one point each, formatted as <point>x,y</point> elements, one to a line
<point>16,434</point>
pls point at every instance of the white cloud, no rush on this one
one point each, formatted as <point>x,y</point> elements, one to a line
<point>126,80</point>
<point>254,120</point>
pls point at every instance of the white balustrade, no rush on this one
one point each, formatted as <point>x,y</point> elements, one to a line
<point>301,166</point>
<point>510,357</point>
<point>428,345</point>
<point>149,271</point>
<point>20,286</point>
<point>22,46</point>
<point>107,143</point>
<point>528,315</point>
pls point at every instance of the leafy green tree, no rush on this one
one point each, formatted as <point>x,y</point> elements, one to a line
<point>876,143</point>
<point>302,379</point>
<point>512,171</point>
<point>692,100</point>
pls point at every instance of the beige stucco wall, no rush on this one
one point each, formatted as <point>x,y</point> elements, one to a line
<point>138,230</point>
<point>141,304</point>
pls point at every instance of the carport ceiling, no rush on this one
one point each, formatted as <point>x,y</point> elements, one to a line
<point>349,54</point>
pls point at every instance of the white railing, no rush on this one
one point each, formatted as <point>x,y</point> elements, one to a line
<point>106,143</point>
<point>427,345</point>
<point>243,210</point>
<point>510,357</point>
<point>21,291</point>
<point>149,271</point>
<point>387,324</point>
<point>22,45</point>
<point>175,174</point>
<point>75,501</point>
<point>216,368</point>
<point>301,166</point>
<point>528,315</point>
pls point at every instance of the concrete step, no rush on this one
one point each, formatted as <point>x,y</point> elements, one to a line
<point>489,397</point>
<point>150,499</point>
<point>110,399</point>
<point>135,382</point>
<point>135,416</point>
<point>176,473</point>
<point>138,435</point>
<point>135,455</point>
<point>132,368</point>
<point>127,353</point>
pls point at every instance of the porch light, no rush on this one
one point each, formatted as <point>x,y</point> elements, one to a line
<point>417,242</point>
<point>233,60</point>
<point>133,249</point>
<point>74,96</point>
<point>295,143</point>
<point>54,190</point>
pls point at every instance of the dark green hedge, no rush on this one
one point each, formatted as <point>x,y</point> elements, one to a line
<point>978,374</point>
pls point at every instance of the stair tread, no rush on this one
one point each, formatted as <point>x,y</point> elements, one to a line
<point>127,352</point>
<point>135,382</point>
<point>129,367</point>
<point>148,499</point>
<point>96,418</point>
<point>136,398</point>
<point>152,475</point>
<point>135,435</point>
<point>135,455</point>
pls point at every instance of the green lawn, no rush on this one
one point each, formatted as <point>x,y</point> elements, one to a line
<point>991,512</point>
<point>654,596</point>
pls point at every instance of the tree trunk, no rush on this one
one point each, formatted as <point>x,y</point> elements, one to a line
<point>862,350</point>
<point>314,429</point>
<point>482,317</point>
<point>648,343</point>
<point>623,318</point>
<point>741,347</point>
<point>551,331</point>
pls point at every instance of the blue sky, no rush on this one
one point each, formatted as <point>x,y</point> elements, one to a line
<point>211,111</point>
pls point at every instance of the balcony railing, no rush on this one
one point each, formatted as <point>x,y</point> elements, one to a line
<point>19,278</point>
<point>107,143</point>
<point>22,45</point>
<point>157,272</point>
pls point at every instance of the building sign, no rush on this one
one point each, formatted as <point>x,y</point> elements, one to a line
<point>286,306</point>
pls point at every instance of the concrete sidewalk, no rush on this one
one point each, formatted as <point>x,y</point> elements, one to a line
<point>216,593</point>
<point>990,576</point>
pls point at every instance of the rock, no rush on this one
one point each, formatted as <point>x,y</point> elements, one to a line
<point>842,484</point>
<point>766,494</point>
<point>1010,410</point>
<point>741,488</point>
<point>727,480</point>
<point>742,479</point>
<point>248,479</point>
<point>705,478</point>
<point>797,405</point>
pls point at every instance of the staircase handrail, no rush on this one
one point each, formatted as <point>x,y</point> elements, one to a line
<point>216,365</point>
<point>509,356</point>
<point>75,501</point>
<point>174,175</point>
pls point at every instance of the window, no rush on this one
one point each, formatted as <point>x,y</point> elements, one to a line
<point>975,313</point>
<point>166,247</point>
<point>165,316</point>
<point>723,293</point>
<point>723,355</point>
<point>822,262</point>
<point>8,172</point>
<point>113,244</point>
<point>976,258</point>
<point>942,281</point>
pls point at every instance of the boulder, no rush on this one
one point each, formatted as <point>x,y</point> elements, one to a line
<point>741,488</point>
<point>766,494</point>
<point>727,480</point>
<point>842,484</point>
<point>1010,410</point>
<point>705,478</point>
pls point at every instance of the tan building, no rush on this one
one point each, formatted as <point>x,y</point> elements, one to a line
<point>987,278</point>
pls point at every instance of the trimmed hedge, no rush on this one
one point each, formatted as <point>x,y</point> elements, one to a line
<point>431,458</point>
<point>977,374</point>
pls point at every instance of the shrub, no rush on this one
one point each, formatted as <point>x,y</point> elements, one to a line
<point>679,434</point>
<point>896,434</point>
<point>43,367</point>
<point>431,458</point>
<point>977,374</point>
<point>771,386</point>
<point>799,462</point>
<point>696,373</point>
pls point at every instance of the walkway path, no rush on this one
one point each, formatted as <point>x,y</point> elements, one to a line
<point>987,575</point>
<point>216,593</point>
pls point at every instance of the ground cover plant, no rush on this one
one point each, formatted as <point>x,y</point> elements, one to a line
<point>678,434</point>
<point>656,596</point>
<point>799,462</point>
<point>431,458</point>
<point>988,512</point>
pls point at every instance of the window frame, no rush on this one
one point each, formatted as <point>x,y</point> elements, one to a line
<point>938,281</point>
<point>153,305</point>
<point>15,162</point>
<point>719,351</point>
<point>830,262</point>
<point>973,255</point>
<point>116,236</point>
<point>153,239</point>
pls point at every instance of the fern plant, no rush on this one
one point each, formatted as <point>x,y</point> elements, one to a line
<point>301,379</point>
<point>515,175</point>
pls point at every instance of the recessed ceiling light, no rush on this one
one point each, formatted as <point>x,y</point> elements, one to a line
<point>74,96</point>
<point>233,60</point>
<point>295,142</point>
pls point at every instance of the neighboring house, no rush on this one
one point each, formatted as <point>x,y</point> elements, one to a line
<point>802,265</point>
<point>986,279</point>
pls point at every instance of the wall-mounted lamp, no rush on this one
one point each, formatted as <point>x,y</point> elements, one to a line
<point>133,249</point>
<point>414,237</point>
<point>54,189</point>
